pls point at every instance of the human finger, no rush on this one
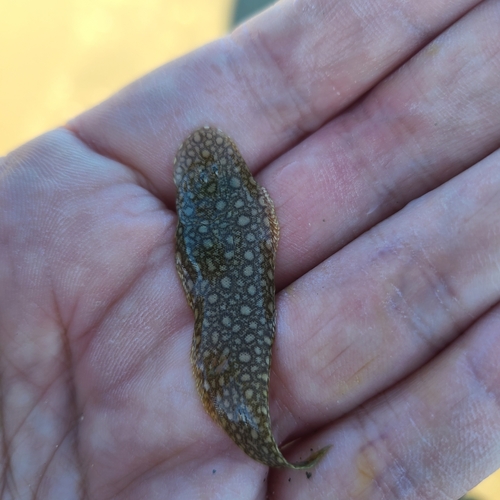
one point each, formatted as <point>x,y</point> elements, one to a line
<point>435,117</point>
<point>388,302</point>
<point>275,79</point>
<point>434,435</point>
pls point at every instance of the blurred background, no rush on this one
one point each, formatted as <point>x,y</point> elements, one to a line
<point>60,57</point>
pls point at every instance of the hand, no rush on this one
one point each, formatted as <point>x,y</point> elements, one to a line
<point>387,338</point>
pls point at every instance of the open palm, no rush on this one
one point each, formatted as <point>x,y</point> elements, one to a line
<point>387,341</point>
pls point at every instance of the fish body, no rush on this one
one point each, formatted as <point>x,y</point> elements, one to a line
<point>227,237</point>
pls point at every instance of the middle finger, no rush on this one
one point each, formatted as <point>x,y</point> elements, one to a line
<point>389,301</point>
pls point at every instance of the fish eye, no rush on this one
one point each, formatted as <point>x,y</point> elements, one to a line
<point>203,176</point>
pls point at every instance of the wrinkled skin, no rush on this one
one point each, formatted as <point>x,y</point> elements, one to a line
<point>387,336</point>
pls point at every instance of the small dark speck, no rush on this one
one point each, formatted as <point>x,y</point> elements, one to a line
<point>289,479</point>
<point>324,220</point>
<point>308,475</point>
<point>312,449</point>
<point>214,471</point>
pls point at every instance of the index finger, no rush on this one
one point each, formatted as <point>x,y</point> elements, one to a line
<point>274,80</point>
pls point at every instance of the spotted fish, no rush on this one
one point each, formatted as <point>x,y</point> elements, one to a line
<point>227,236</point>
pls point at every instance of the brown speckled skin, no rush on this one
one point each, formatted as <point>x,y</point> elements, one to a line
<point>227,236</point>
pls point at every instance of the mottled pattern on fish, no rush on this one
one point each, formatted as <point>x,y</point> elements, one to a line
<point>227,236</point>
